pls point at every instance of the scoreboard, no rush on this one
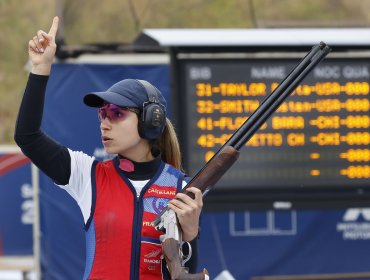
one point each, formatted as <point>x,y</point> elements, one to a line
<point>319,138</point>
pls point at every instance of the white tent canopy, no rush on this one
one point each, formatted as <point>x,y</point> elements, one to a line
<point>355,37</point>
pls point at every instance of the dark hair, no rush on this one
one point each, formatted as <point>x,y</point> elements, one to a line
<point>169,146</point>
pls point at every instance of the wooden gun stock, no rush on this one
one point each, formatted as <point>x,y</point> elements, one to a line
<point>171,248</point>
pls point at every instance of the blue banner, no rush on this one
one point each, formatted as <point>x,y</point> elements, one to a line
<point>271,243</point>
<point>16,205</point>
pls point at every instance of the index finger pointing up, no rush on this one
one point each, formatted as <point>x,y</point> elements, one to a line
<point>54,27</point>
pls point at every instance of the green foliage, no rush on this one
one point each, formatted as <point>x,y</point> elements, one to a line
<point>333,13</point>
<point>122,21</point>
<point>19,20</point>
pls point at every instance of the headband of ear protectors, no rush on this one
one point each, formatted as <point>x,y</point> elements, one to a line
<point>153,116</point>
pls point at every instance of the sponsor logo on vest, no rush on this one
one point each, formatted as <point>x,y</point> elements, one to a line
<point>153,253</point>
<point>147,224</point>
<point>161,192</point>
<point>159,204</point>
<point>356,224</point>
<point>152,267</point>
<point>152,261</point>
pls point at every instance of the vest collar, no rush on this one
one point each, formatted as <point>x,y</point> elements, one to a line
<point>142,170</point>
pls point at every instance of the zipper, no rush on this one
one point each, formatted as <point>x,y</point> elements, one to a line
<point>135,244</point>
<point>137,224</point>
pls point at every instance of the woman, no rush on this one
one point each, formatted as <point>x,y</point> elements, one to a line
<point>118,198</point>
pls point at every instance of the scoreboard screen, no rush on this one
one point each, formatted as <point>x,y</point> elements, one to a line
<point>318,138</point>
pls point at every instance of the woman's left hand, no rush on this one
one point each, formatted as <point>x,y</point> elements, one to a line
<point>188,211</point>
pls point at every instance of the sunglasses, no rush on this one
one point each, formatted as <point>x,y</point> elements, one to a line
<point>115,113</point>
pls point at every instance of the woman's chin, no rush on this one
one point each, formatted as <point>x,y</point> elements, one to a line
<point>110,150</point>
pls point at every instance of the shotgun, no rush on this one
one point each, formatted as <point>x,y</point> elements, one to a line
<point>224,158</point>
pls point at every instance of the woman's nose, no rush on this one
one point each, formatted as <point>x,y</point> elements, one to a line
<point>105,124</point>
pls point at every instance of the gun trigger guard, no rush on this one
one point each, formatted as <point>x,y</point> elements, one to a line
<point>188,256</point>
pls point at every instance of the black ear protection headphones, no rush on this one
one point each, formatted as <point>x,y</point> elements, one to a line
<point>153,116</point>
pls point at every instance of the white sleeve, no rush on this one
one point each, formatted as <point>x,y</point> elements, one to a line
<point>79,185</point>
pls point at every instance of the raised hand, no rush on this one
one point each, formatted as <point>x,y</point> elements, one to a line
<point>41,49</point>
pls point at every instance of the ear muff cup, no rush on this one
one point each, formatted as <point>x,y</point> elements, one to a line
<point>153,117</point>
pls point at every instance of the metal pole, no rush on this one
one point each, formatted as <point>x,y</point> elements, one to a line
<point>36,221</point>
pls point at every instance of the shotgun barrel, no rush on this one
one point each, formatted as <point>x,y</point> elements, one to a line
<point>224,158</point>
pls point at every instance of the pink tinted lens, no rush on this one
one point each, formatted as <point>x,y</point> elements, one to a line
<point>112,112</point>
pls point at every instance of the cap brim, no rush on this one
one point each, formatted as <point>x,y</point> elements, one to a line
<point>97,99</point>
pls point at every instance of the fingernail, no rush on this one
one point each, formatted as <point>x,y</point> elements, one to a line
<point>41,49</point>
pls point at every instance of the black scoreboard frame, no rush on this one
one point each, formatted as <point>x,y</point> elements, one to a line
<point>230,198</point>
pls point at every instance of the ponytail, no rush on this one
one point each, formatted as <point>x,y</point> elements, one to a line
<point>169,146</point>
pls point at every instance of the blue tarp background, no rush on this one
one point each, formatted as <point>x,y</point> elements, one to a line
<point>16,208</point>
<point>245,243</point>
